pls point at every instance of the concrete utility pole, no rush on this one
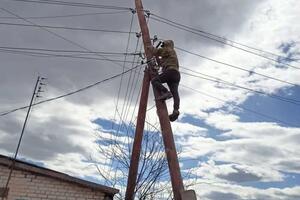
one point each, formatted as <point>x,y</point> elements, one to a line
<point>162,112</point>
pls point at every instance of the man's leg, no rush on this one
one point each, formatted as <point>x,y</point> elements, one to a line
<point>173,83</point>
<point>157,84</point>
<point>174,90</point>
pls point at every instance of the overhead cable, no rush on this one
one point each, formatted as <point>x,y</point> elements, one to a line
<point>57,35</point>
<point>24,49</point>
<point>218,80</point>
<point>74,56</point>
<point>239,106</point>
<point>69,15</point>
<point>66,28</point>
<point>71,93</point>
<point>67,3</point>
<point>223,40</point>
<point>236,67</point>
<point>121,80</point>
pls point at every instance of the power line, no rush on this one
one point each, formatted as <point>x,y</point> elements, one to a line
<point>239,106</point>
<point>140,89</point>
<point>121,81</point>
<point>130,92</point>
<point>139,92</point>
<point>222,40</point>
<point>219,37</point>
<point>57,35</point>
<point>47,55</point>
<point>124,111</point>
<point>236,67</point>
<point>133,85</point>
<point>121,122</point>
<point>66,51</point>
<point>66,28</point>
<point>67,16</point>
<point>66,3</point>
<point>225,39</point>
<point>218,80</point>
<point>70,93</point>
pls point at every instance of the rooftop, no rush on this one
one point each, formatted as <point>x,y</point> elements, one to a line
<point>29,167</point>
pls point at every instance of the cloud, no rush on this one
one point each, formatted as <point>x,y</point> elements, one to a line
<point>209,190</point>
<point>186,129</point>
<point>239,176</point>
<point>63,134</point>
<point>220,195</point>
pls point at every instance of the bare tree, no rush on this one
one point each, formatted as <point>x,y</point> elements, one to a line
<point>153,168</point>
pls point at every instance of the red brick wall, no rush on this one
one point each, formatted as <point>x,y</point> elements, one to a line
<point>28,186</point>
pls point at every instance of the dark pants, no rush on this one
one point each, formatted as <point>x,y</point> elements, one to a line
<point>172,78</point>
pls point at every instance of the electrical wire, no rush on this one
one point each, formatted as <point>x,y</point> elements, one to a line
<point>70,41</point>
<point>129,99</point>
<point>236,67</point>
<point>226,39</point>
<point>121,81</point>
<point>70,15</point>
<point>47,55</point>
<point>70,93</point>
<point>239,106</point>
<point>219,37</point>
<point>75,4</point>
<point>140,89</point>
<point>128,96</point>
<point>65,28</point>
<point>139,92</point>
<point>57,35</point>
<point>119,92</point>
<point>67,51</point>
<point>134,80</point>
<point>222,40</point>
<point>218,80</point>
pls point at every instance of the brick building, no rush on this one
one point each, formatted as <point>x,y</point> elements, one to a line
<point>31,182</point>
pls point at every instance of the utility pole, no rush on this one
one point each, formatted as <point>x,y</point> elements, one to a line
<point>35,94</point>
<point>170,149</point>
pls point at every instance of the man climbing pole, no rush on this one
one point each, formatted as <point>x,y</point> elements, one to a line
<point>167,59</point>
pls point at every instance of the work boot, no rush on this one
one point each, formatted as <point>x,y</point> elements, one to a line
<point>165,96</point>
<point>174,115</point>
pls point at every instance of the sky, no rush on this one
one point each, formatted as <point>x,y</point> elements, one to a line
<point>238,140</point>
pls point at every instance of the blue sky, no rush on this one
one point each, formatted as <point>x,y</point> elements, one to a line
<point>281,110</point>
